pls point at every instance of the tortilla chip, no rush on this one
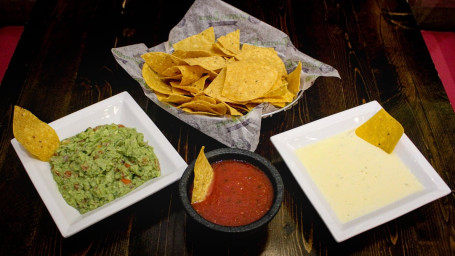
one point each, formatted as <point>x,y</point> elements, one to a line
<point>262,56</point>
<point>160,61</point>
<point>36,136</point>
<point>187,89</point>
<point>225,52</point>
<point>381,130</point>
<point>294,79</point>
<point>230,43</point>
<point>190,74</point>
<point>205,98</point>
<point>247,80</point>
<point>203,178</point>
<point>173,72</point>
<point>208,63</point>
<point>154,81</point>
<point>215,88</point>
<point>233,111</point>
<point>206,113</point>
<point>200,42</point>
<point>203,106</point>
<point>172,98</point>
<point>285,97</point>
<point>278,89</point>
<point>200,84</point>
<point>195,54</point>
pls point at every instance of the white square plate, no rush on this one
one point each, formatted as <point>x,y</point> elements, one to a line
<point>120,109</point>
<point>287,142</point>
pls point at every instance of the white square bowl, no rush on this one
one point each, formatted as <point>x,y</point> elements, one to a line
<point>119,109</point>
<point>287,142</point>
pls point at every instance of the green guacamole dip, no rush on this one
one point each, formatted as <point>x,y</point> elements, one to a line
<point>101,164</point>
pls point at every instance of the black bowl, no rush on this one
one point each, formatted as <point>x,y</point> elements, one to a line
<point>233,154</point>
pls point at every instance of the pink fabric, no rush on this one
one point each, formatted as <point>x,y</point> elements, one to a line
<point>441,46</point>
<point>9,37</point>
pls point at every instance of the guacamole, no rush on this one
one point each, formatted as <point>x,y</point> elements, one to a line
<point>101,164</point>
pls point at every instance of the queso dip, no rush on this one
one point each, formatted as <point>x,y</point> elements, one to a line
<point>356,177</point>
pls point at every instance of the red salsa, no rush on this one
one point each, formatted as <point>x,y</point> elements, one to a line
<point>241,194</point>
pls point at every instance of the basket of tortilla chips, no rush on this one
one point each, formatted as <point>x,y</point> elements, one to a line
<point>222,71</point>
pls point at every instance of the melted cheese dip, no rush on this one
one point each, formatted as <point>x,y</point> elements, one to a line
<point>356,177</point>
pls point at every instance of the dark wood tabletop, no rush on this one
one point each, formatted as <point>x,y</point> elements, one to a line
<point>64,63</point>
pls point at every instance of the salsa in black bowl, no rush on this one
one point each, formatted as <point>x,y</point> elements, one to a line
<point>261,186</point>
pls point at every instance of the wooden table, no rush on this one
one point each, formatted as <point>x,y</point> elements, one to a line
<point>63,63</point>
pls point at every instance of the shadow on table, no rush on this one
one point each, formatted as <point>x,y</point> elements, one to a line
<point>202,241</point>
